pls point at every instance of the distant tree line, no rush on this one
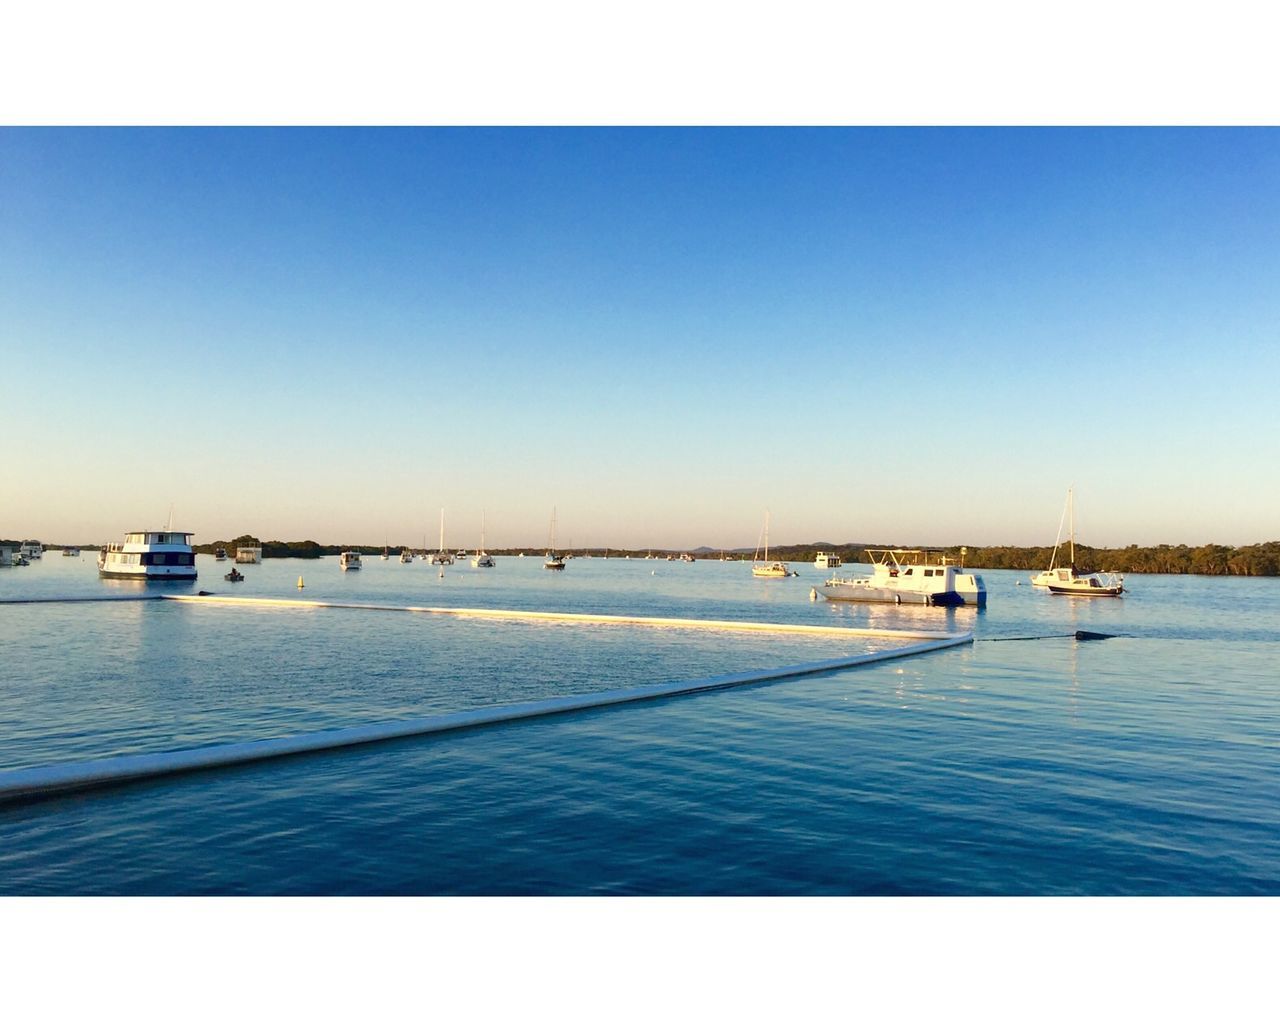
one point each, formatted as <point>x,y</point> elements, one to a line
<point>1261,559</point>
<point>1208,559</point>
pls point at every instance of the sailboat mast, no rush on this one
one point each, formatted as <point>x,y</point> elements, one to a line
<point>1071,504</point>
<point>442,530</point>
<point>1057,540</point>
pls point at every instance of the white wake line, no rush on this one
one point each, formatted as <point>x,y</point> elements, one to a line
<point>565,616</point>
<point>41,782</point>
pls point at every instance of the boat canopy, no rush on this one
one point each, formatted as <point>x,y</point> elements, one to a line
<point>162,537</point>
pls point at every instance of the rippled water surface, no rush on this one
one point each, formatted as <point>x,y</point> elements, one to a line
<point>1145,764</point>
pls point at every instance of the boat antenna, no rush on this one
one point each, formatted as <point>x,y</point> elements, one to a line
<point>169,527</point>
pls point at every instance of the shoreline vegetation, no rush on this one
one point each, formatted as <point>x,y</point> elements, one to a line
<point>1262,559</point>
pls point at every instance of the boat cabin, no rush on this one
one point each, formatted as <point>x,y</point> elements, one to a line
<point>151,539</point>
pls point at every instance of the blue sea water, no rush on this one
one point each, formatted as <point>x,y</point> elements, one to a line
<point>1144,764</point>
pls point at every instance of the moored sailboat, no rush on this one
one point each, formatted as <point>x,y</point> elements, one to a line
<point>482,557</point>
<point>442,556</point>
<point>765,569</point>
<point>1065,579</point>
<point>553,560</point>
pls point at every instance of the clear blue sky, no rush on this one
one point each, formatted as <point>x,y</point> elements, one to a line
<point>910,336</point>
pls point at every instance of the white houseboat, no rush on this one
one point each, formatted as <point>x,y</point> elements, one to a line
<point>908,577</point>
<point>31,550</point>
<point>248,555</point>
<point>349,560</point>
<point>163,554</point>
<point>827,559</point>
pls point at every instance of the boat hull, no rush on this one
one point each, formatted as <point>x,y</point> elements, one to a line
<point>157,573</point>
<point>886,595</point>
<point>1087,591</point>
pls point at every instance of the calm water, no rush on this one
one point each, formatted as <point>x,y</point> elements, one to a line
<point>1146,764</point>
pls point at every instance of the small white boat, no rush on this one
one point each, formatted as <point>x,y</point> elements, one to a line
<point>764,568</point>
<point>827,560</point>
<point>909,577</point>
<point>687,557</point>
<point>160,554</point>
<point>31,551</point>
<point>9,558</point>
<point>349,560</point>
<point>71,552</point>
<point>248,555</point>
<point>219,554</point>
<point>406,556</point>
